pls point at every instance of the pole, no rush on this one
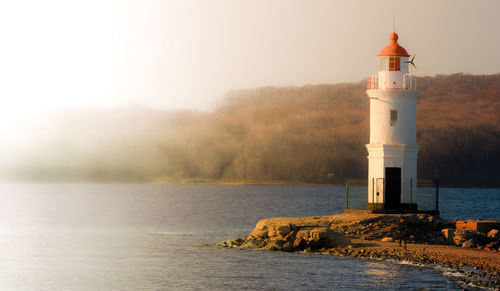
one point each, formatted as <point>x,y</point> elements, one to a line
<point>437,194</point>
<point>411,194</point>
<point>347,193</point>
<point>373,193</point>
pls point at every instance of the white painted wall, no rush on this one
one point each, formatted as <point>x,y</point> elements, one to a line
<point>401,156</point>
<point>404,131</point>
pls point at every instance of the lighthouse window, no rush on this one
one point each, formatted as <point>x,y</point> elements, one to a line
<point>394,64</point>
<point>383,64</point>
<point>394,117</point>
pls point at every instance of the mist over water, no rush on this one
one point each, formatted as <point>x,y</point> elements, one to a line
<point>311,134</point>
<point>149,237</point>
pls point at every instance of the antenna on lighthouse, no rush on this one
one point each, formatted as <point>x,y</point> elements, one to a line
<point>393,23</point>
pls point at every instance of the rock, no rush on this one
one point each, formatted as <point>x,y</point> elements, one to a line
<point>301,239</point>
<point>253,243</point>
<point>318,238</point>
<point>288,247</point>
<point>233,243</point>
<point>440,240</point>
<point>481,238</point>
<point>448,234</point>
<point>299,244</point>
<point>303,233</point>
<point>471,243</point>
<point>283,230</point>
<point>273,246</point>
<point>237,242</point>
<point>260,231</point>
<point>494,234</point>
<point>273,232</point>
<point>462,235</point>
<point>318,234</point>
<point>493,244</point>
<point>387,239</point>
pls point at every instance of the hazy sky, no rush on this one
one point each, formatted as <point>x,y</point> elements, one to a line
<point>186,54</point>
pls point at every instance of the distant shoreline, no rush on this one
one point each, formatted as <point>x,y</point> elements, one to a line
<point>201,181</point>
<point>352,182</point>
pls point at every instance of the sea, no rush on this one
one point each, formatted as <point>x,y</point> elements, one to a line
<point>162,237</point>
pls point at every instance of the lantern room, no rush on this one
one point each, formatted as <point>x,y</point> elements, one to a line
<point>393,70</point>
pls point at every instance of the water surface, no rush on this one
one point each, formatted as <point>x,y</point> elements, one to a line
<point>160,237</point>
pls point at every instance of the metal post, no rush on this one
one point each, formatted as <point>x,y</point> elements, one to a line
<point>373,193</point>
<point>437,194</point>
<point>411,194</point>
<point>347,193</point>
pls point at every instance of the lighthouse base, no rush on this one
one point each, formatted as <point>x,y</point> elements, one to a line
<point>390,211</point>
<point>392,175</point>
<point>400,207</point>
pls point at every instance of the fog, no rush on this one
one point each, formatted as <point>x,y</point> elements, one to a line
<point>61,57</point>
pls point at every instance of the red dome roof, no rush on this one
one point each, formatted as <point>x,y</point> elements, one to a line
<point>393,49</point>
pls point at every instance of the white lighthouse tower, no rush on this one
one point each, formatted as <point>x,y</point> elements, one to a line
<point>393,149</point>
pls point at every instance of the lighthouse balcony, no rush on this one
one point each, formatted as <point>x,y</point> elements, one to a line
<point>391,81</point>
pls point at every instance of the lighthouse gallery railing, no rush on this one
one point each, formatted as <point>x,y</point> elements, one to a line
<point>409,82</point>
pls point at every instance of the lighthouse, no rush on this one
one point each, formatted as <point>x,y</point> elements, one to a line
<point>393,149</point>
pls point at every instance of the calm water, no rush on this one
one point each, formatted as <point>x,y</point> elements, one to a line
<point>160,237</point>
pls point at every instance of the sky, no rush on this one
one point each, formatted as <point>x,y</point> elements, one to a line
<point>187,54</point>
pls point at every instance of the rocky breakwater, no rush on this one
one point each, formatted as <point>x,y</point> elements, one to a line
<point>375,236</point>
<point>291,234</point>
<point>322,232</point>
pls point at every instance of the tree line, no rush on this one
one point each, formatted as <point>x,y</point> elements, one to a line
<point>311,134</point>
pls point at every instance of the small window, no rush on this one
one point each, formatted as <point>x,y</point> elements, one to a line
<point>394,64</point>
<point>394,117</point>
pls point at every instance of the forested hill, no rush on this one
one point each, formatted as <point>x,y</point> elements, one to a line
<point>310,134</point>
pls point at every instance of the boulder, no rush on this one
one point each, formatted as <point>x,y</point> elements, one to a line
<point>494,234</point>
<point>272,231</point>
<point>288,247</point>
<point>387,239</point>
<point>275,245</point>
<point>318,238</point>
<point>318,234</point>
<point>493,244</point>
<point>471,243</point>
<point>283,230</point>
<point>481,238</point>
<point>260,231</point>
<point>462,236</point>
<point>253,243</point>
<point>448,234</point>
<point>301,239</point>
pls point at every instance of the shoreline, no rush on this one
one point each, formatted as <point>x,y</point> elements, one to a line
<point>201,181</point>
<point>477,268</point>
<point>368,236</point>
<point>359,183</point>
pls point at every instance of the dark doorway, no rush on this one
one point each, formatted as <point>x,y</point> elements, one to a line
<point>392,188</point>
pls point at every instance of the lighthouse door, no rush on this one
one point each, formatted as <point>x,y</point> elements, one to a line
<point>392,188</point>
